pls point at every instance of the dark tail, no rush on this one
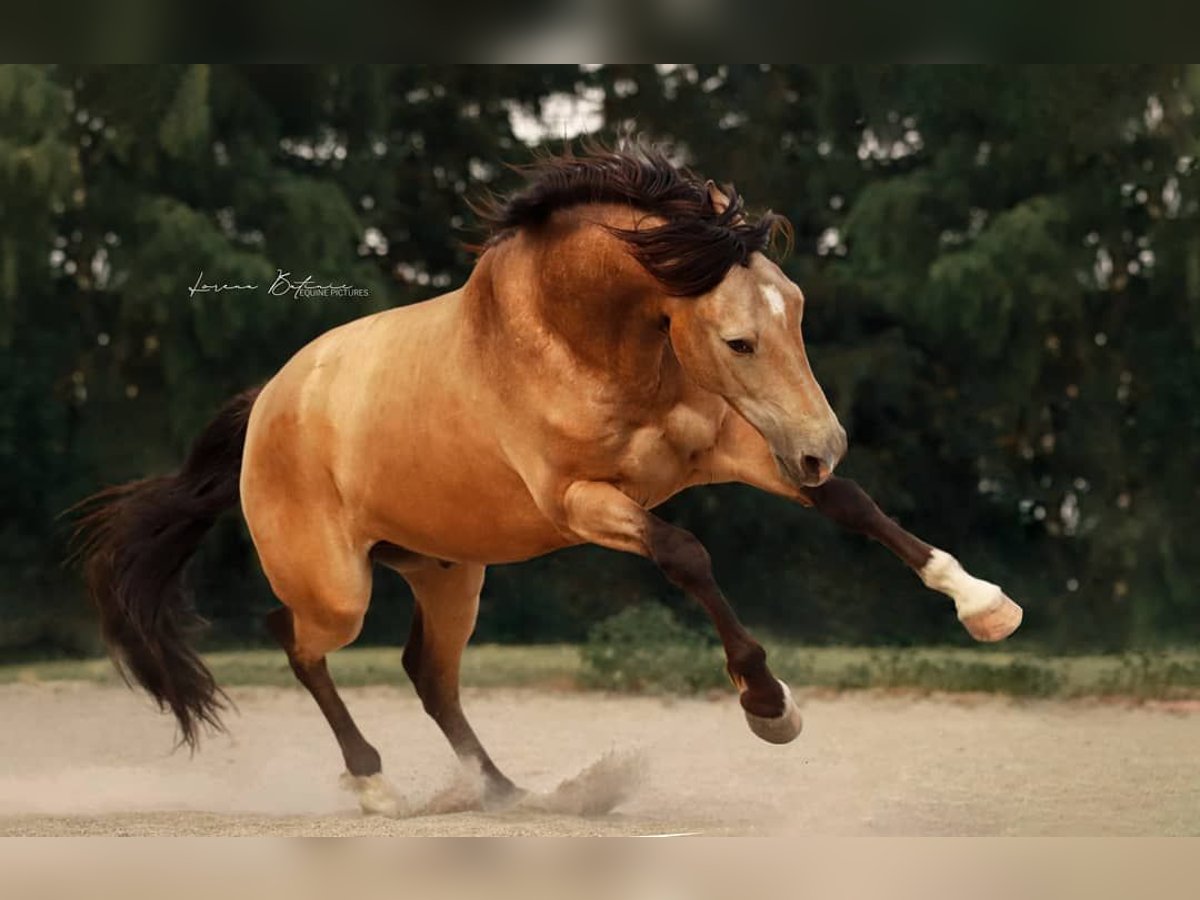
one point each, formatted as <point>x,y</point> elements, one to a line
<point>134,541</point>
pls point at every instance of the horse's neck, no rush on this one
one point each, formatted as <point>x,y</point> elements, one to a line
<point>598,328</point>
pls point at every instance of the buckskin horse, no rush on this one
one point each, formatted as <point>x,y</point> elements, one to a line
<point>622,336</point>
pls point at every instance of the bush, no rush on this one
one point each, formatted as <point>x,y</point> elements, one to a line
<point>916,669</point>
<point>1021,679</point>
<point>646,649</point>
<point>1149,675</point>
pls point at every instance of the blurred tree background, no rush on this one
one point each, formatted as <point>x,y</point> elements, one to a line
<point>1002,266</point>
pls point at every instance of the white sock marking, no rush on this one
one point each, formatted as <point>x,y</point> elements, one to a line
<point>971,595</point>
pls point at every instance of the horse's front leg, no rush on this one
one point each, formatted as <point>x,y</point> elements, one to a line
<point>983,608</point>
<point>600,513</point>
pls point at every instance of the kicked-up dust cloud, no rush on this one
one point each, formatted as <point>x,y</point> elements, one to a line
<point>596,790</point>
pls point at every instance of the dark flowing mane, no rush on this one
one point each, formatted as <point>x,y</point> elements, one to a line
<point>689,254</point>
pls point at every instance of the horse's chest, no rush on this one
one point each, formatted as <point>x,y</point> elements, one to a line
<point>658,457</point>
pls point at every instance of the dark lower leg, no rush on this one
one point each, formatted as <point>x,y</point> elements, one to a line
<point>439,696</point>
<point>843,501</point>
<point>361,758</point>
<point>444,708</point>
<point>687,565</point>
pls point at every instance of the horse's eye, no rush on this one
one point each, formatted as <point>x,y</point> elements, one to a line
<point>743,348</point>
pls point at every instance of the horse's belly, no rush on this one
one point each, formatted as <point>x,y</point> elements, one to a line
<point>481,531</point>
<point>454,502</point>
<point>486,546</point>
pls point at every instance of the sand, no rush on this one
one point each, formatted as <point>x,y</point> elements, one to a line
<point>83,759</point>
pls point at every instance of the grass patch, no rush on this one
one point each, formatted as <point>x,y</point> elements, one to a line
<point>689,667</point>
<point>646,649</point>
<point>920,669</point>
<point>1166,675</point>
<point>486,665</point>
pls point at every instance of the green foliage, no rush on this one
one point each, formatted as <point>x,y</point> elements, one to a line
<point>909,670</point>
<point>1001,264</point>
<point>1139,677</point>
<point>1148,675</point>
<point>645,649</point>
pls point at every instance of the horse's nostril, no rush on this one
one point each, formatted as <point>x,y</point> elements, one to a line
<point>815,469</point>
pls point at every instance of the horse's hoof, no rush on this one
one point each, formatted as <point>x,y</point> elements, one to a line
<point>996,623</point>
<point>500,796</point>
<point>376,796</point>
<point>780,729</point>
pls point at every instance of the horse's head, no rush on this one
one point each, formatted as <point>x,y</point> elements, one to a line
<point>734,317</point>
<point>742,340</point>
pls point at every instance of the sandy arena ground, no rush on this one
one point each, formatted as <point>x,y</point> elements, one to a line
<point>78,758</point>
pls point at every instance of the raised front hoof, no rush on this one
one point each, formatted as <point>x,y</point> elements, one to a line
<point>994,624</point>
<point>780,729</point>
<point>376,796</point>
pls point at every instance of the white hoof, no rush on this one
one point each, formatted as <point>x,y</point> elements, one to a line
<point>982,607</point>
<point>375,794</point>
<point>782,728</point>
<point>995,623</point>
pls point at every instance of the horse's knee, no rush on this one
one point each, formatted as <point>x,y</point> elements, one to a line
<point>680,555</point>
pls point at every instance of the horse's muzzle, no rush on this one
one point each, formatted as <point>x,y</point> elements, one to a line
<point>813,469</point>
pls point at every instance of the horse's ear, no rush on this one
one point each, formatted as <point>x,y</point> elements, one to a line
<point>718,198</point>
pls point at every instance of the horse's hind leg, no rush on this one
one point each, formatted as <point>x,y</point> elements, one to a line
<point>326,595</point>
<point>362,760</point>
<point>447,602</point>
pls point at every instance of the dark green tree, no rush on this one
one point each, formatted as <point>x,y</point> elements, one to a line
<point>1001,265</point>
